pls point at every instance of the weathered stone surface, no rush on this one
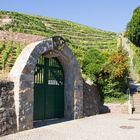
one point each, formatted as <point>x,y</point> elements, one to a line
<point>7,108</point>
<point>91,99</point>
<point>2,110</point>
<point>1,102</point>
<point>23,76</point>
<point>58,43</point>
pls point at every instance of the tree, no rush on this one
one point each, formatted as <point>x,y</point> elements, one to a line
<point>133,28</point>
<point>93,63</point>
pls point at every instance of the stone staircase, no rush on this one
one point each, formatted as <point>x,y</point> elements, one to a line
<point>136,103</point>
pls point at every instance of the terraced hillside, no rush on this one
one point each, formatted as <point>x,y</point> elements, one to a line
<point>9,51</point>
<point>79,37</point>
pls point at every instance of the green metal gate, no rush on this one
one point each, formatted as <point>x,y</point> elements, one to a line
<point>48,89</point>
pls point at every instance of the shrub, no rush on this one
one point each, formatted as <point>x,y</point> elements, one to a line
<point>108,69</point>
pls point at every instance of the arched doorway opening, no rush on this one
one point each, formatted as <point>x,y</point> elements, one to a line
<point>48,89</point>
<point>22,74</point>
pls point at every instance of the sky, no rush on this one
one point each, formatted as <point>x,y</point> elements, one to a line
<point>109,15</point>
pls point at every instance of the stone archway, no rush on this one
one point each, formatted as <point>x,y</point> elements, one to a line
<point>22,74</point>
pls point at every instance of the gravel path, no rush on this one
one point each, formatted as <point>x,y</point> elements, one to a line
<point>99,127</point>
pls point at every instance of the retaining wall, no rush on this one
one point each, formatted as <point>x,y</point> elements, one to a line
<point>7,108</point>
<point>92,103</point>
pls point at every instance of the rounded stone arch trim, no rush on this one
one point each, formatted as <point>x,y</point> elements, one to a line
<point>22,74</point>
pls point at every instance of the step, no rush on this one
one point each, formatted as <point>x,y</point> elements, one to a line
<point>9,63</point>
<point>136,96</point>
<point>137,105</point>
<point>136,102</point>
<point>11,60</point>
<point>9,66</point>
<point>136,112</point>
<point>136,109</point>
<point>135,93</point>
<point>136,99</point>
<point>12,57</point>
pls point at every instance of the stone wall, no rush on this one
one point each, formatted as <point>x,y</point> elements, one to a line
<point>20,37</point>
<point>92,104</point>
<point>22,74</point>
<point>7,108</point>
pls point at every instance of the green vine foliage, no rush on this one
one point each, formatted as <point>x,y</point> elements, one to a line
<point>79,35</point>
<point>8,50</point>
<point>108,69</point>
<point>2,46</point>
<point>18,49</point>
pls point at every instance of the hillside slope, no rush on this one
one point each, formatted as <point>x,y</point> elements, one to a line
<point>76,35</point>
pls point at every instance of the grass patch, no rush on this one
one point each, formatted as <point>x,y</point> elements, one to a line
<point>121,100</point>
